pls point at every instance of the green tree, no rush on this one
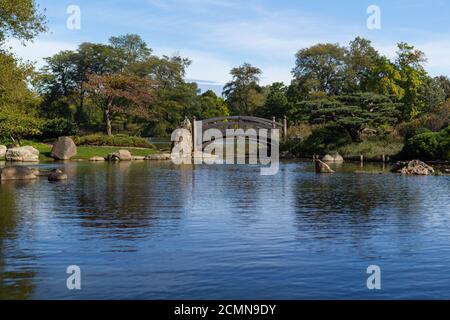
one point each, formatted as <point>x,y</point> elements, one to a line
<point>277,103</point>
<point>321,68</point>
<point>412,78</point>
<point>20,19</point>
<point>243,93</point>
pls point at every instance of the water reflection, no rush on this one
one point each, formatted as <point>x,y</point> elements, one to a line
<point>156,230</point>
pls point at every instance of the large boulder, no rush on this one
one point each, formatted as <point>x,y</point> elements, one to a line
<point>333,158</point>
<point>414,167</point>
<point>121,155</point>
<point>64,148</point>
<point>16,173</point>
<point>2,151</point>
<point>25,154</point>
<point>322,167</point>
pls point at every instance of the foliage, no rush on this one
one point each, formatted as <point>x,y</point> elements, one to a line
<point>17,124</point>
<point>20,19</point>
<point>428,146</point>
<point>373,148</point>
<point>57,127</point>
<point>243,94</point>
<point>115,140</point>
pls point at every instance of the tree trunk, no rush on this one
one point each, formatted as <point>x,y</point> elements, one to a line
<point>108,120</point>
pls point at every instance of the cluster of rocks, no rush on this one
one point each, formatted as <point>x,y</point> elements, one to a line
<point>337,158</point>
<point>25,173</point>
<point>414,167</point>
<point>19,154</point>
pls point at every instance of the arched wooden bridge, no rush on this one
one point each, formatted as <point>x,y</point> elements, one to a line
<point>239,122</point>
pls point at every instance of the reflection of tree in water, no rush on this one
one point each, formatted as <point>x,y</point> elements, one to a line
<point>353,204</point>
<point>125,200</point>
<point>14,284</point>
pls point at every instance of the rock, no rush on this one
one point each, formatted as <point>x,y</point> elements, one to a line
<point>138,158</point>
<point>121,155</point>
<point>97,159</point>
<point>322,167</point>
<point>64,148</point>
<point>414,167</point>
<point>16,173</point>
<point>162,156</point>
<point>333,158</point>
<point>57,175</point>
<point>2,151</point>
<point>25,154</point>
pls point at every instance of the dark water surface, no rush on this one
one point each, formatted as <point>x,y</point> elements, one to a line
<point>156,231</point>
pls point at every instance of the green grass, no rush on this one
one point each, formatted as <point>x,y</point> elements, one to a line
<point>85,152</point>
<point>372,148</point>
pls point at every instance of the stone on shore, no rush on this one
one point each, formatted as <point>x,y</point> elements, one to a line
<point>333,158</point>
<point>2,151</point>
<point>64,148</point>
<point>121,155</point>
<point>23,154</point>
<point>16,173</point>
<point>57,175</point>
<point>97,159</point>
<point>414,167</point>
<point>160,157</point>
<point>322,167</point>
<point>138,158</point>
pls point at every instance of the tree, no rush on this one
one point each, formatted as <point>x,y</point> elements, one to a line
<point>17,103</point>
<point>120,94</point>
<point>211,106</point>
<point>353,113</point>
<point>243,93</point>
<point>20,19</point>
<point>277,103</point>
<point>413,77</point>
<point>130,49</point>
<point>433,95</point>
<point>321,68</point>
<point>444,83</point>
<point>360,58</point>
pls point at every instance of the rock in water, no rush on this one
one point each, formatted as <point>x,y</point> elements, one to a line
<point>2,151</point>
<point>64,148</point>
<point>414,167</point>
<point>322,167</point>
<point>25,154</point>
<point>161,156</point>
<point>97,159</point>
<point>16,173</point>
<point>57,175</point>
<point>121,155</point>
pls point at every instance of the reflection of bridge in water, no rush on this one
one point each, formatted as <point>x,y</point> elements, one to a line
<point>234,123</point>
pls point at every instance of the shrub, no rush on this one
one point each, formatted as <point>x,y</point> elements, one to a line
<point>118,140</point>
<point>321,141</point>
<point>428,146</point>
<point>54,128</point>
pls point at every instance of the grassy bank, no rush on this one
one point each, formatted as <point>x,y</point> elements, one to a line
<point>87,152</point>
<point>372,149</point>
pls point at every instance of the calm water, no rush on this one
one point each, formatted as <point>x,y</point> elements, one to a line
<point>156,231</point>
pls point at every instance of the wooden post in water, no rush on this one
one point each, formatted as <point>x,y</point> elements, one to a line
<point>285,129</point>
<point>194,128</point>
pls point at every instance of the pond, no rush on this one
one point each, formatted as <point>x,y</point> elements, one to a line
<point>153,230</point>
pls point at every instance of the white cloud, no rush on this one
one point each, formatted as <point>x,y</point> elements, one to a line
<point>39,49</point>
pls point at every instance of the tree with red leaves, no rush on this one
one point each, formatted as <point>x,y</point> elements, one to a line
<point>121,94</point>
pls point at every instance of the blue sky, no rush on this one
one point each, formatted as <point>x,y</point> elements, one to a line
<point>220,34</point>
